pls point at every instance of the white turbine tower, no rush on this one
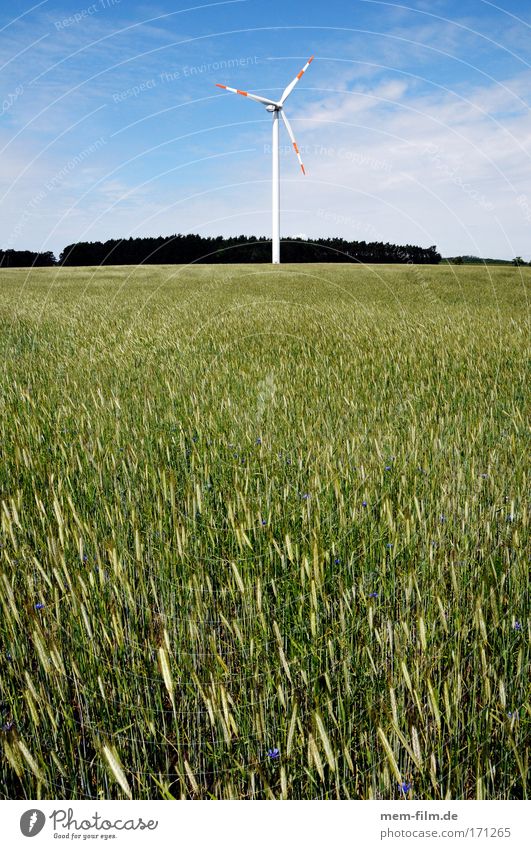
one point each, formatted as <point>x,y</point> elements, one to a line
<point>276,108</point>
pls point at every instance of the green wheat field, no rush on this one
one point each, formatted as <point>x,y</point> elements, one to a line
<point>264,532</point>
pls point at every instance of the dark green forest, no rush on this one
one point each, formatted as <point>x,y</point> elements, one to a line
<point>183,249</point>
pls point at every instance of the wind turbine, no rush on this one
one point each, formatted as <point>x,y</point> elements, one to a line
<point>276,108</point>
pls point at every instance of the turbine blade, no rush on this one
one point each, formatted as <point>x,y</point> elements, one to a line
<point>287,91</point>
<point>247,94</point>
<point>292,137</point>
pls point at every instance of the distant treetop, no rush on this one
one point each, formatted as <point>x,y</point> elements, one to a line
<point>182,249</point>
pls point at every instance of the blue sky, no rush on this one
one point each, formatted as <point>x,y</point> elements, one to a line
<point>414,121</point>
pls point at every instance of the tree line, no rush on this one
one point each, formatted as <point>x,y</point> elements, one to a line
<point>17,259</point>
<point>183,249</point>
<point>478,260</point>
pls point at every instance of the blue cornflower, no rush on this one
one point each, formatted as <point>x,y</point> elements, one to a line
<point>258,441</point>
<point>405,787</point>
<point>264,522</point>
<point>273,754</point>
<point>373,595</point>
<point>306,495</point>
<point>517,625</point>
<point>39,606</point>
<point>337,561</point>
<point>363,503</point>
<point>389,545</point>
<point>388,468</point>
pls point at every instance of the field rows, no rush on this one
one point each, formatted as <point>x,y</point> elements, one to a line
<point>264,534</point>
